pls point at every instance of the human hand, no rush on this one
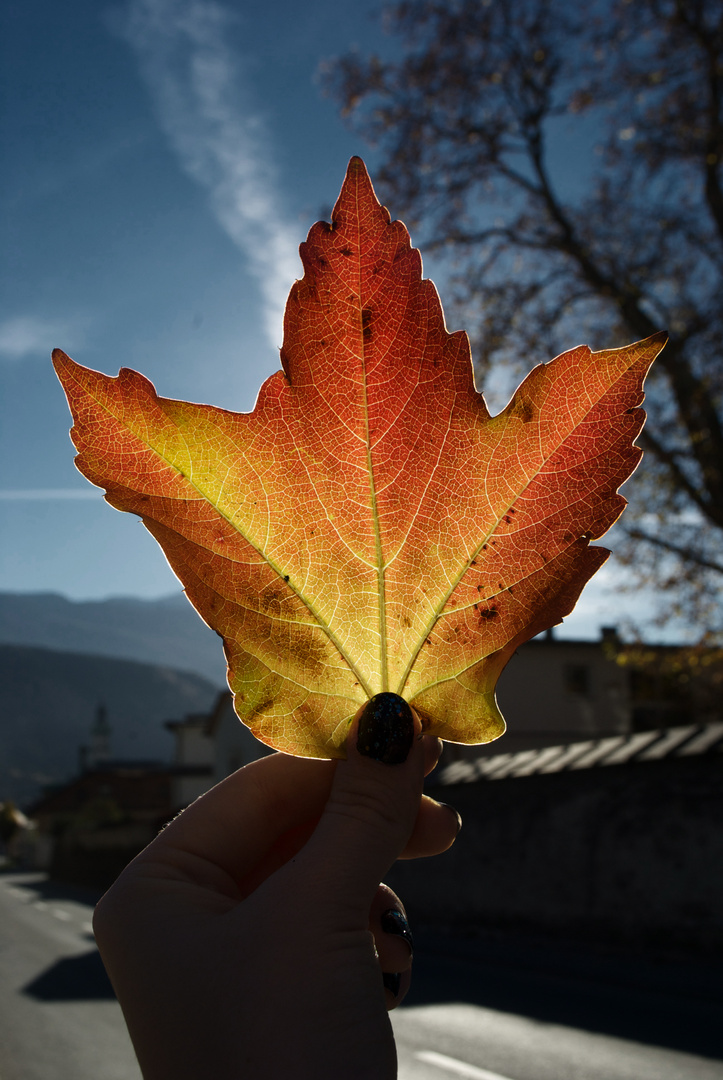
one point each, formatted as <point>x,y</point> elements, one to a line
<point>241,941</point>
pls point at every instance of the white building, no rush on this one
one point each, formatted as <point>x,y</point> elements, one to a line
<point>209,747</point>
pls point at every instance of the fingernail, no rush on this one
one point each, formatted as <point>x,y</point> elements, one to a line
<point>393,922</point>
<point>386,729</point>
<point>456,814</point>
<point>392,981</point>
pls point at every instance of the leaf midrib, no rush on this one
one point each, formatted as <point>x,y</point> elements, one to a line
<point>378,551</point>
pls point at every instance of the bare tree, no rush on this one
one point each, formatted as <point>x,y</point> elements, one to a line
<point>563,163</point>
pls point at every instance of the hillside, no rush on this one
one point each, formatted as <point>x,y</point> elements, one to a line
<point>48,701</point>
<point>166,631</point>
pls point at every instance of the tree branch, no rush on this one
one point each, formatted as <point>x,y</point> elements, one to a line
<point>667,458</point>
<point>688,554</point>
<point>697,410</point>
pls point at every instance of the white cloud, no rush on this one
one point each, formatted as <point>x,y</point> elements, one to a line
<point>32,335</point>
<point>213,123</point>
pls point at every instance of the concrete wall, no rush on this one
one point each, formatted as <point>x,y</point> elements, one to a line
<point>625,854</point>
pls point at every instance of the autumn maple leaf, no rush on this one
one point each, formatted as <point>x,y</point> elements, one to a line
<point>369,526</point>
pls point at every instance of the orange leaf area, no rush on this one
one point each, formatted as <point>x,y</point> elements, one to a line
<point>369,526</point>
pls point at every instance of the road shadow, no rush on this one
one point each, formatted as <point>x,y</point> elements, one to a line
<point>627,998</point>
<point>46,889</point>
<point>74,978</point>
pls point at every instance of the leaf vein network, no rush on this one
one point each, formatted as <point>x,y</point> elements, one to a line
<point>319,620</point>
<point>490,533</point>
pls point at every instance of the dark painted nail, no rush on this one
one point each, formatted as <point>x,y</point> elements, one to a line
<point>386,729</point>
<point>392,981</point>
<point>393,922</point>
<point>456,814</point>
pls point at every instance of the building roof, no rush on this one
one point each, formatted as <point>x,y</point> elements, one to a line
<point>616,750</point>
<point>136,788</point>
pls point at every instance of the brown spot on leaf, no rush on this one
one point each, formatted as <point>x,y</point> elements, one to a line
<point>525,410</point>
<point>305,647</point>
<point>259,710</point>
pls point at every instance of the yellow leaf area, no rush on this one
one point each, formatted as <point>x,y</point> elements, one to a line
<point>369,526</point>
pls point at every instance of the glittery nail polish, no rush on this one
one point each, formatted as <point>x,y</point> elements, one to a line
<point>394,922</point>
<point>392,981</point>
<point>386,729</point>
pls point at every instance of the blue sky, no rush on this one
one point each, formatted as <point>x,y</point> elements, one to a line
<point>163,161</point>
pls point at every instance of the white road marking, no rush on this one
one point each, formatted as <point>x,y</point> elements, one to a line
<point>459,1068</point>
<point>42,905</point>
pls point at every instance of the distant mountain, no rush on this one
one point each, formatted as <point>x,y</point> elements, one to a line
<point>49,699</point>
<point>167,631</point>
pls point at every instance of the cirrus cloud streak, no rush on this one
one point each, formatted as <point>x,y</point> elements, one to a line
<point>210,117</point>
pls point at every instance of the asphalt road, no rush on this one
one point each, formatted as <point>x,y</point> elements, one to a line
<point>516,1009</point>
<point>469,1016</point>
<point>435,1042</point>
<point>59,1019</point>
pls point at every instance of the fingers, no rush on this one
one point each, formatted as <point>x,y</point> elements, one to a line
<point>253,822</point>
<point>373,804</point>
<point>248,825</point>
<point>394,944</point>
<point>435,830</point>
<point>432,752</point>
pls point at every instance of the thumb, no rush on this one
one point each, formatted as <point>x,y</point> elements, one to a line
<point>373,805</point>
